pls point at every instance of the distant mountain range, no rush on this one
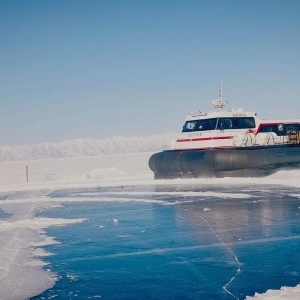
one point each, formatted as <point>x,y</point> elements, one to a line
<point>86,147</point>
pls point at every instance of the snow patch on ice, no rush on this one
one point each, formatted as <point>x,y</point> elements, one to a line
<point>22,236</point>
<point>284,293</point>
<point>295,195</point>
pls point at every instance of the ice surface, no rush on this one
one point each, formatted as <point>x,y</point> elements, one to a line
<point>20,256</point>
<point>23,233</point>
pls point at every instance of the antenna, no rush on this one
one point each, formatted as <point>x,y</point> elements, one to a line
<point>219,104</point>
<point>221,90</point>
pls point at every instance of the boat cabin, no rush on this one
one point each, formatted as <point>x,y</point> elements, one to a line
<point>235,128</point>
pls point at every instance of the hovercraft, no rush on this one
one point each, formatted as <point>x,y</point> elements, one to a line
<point>224,143</point>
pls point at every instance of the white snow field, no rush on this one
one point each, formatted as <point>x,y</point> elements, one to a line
<point>86,147</point>
<point>22,233</point>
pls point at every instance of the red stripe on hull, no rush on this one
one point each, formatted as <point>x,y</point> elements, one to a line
<point>205,139</point>
<point>208,148</point>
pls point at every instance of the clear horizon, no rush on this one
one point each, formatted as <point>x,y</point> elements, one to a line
<point>76,69</point>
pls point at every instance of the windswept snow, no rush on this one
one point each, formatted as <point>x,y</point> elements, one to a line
<point>86,147</point>
<point>110,170</point>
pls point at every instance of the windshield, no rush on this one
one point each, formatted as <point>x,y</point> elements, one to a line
<point>236,123</point>
<point>219,123</point>
<point>200,125</point>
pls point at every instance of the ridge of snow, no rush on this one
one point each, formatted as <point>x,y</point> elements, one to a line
<point>86,147</point>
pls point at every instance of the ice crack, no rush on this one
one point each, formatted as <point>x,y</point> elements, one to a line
<point>225,287</point>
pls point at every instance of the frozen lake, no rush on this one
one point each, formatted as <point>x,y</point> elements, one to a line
<point>112,232</point>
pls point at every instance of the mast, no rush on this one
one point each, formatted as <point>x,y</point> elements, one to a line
<point>219,104</point>
<point>221,90</point>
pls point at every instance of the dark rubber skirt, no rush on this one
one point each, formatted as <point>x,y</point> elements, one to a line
<point>247,161</point>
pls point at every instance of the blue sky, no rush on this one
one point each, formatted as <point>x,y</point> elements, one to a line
<point>73,69</point>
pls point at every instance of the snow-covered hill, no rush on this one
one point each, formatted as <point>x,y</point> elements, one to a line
<point>86,147</point>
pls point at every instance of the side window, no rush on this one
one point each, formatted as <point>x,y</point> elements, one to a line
<point>190,126</point>
<point>291,127</point>
<point>266,128</point>
<point>208,124</point>
<point>279,129</point>
<point>244,123</point>
<point>225,123</point>
<point>200,125</point>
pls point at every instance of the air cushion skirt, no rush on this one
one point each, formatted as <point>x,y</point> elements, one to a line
<point>244,161</point>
